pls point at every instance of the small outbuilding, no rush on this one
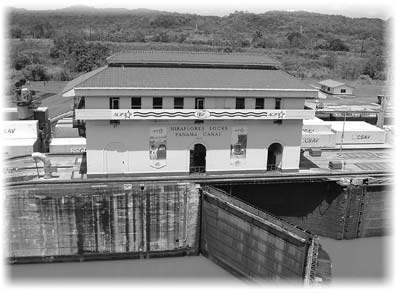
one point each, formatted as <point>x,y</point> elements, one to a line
<point>334,87</point>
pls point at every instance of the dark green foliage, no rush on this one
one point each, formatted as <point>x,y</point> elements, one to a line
<point>79,55</point>
<point>41,30</point>
<point>374,67</point>
<point>20,83</point>
<point>20,61</point>
<point>35,72</point>
<point>16,32</point>
<point>329,60</point>
<point>88,57</point>
<point>169,20</point>
<point>297,40</point>
<point>303,41</point>
<point>337,45</point>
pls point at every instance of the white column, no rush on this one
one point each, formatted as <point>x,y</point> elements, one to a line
<point>290,158</point>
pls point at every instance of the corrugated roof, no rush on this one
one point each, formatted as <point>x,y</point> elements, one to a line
<point>73,83</point>
<point>51,86</point>
<point>354,126</point>
<point>212,59</point>
<point>120,77</point>
<point>332,83</point>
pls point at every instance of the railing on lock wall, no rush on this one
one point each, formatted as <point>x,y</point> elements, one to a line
<point>197,169</point>
<point>272,167</point>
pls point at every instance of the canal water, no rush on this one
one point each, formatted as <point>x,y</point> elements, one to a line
<point>353,261</point>
<point>193,269</point>
<point>359,260</point>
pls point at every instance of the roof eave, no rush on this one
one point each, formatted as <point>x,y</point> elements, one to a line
<point>207,92</point>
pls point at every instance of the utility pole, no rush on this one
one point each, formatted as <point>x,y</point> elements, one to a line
<point>383,100</point>
<point>341,142</point>
<point>381,113</point>
<point>362,48</point>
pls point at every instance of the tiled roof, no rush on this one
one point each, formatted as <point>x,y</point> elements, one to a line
<point>117,77</point>
<point>73,83</point>
<point>332,83</point>
<point>210,59</point>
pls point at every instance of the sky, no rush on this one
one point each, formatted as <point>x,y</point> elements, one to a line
<point>352,8</point>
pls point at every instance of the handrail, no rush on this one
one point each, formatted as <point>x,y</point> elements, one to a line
<point>197,169</point>
<point>272,167</point>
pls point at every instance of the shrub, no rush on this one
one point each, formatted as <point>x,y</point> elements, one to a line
<point>35,72</point>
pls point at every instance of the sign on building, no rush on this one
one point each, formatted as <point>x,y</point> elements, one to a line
<point>238,145</point>
<point>158,147</point>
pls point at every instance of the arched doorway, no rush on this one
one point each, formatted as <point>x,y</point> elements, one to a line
<point>274,158</point>
<point>198,159</point>
<point>116,158</point>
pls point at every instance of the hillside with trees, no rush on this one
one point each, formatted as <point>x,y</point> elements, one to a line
<point>61,44</point>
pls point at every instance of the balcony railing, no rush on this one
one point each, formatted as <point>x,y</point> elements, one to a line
<point>197,169</point>
<point>190,114</point>
<point>272,167</point>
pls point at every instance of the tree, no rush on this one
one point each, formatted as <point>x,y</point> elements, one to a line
<point>79,56</point>
<point>297,40</point>
<point>330,60</point>
<point>42,30</point>
<point>88,57</point>
<point>337,45</point>
<point>16,32</point>
<point>35,72</point>
<point>374,67</point>
<point>20,61</point>
<point>349,69</point>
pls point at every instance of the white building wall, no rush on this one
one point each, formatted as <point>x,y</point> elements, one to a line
<point>290,157</point>
<point>135,136</point>
<point>230,103</point>
<point>349,90</point>
<point>147,103</point>
<point>297,103</point>
<point>250,103</point>
<point>168,102</point>
<point>97,103</point>
<point>219,103</point>
<point>209,103</point>
<point>189,103</point>
<point>269,103</point>
<point>124,102</point>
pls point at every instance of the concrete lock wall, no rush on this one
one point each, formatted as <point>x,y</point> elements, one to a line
<point>253,244</point>
<point>324,208</point>
<point>374,219</point>
<point>113,220</point>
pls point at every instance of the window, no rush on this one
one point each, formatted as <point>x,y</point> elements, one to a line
<point>114,103</point>
<point>178,103</point>
<point>329,89</point>
<point>342,90</point>
<point>199,103</point>
<point>157,103</point>
<point>278,103</point>
<point>259,103</point>
<point>239,103</point>
<point>136,103</point>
